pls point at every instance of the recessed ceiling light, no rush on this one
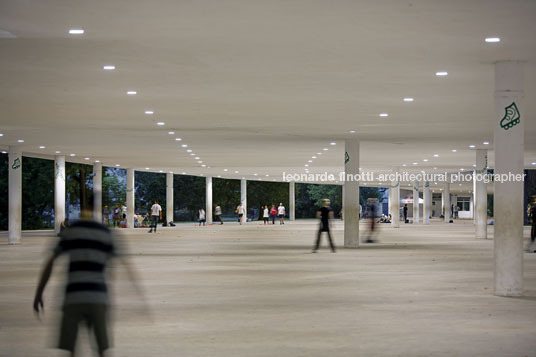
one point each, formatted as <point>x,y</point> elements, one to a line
<point>1,134</point>
<point>87,158</point>
<point>76,31</point>
<point>20,141</point>
<point>384,114</point>
<point>425,160</point>
<point>4,152</point>
<point>236,172</point>
<point>352,131</point>
<point>435,168</point>
<point>415,163</point>
<point>435,183</point>
<point>192,154</point>
<point>306,165</point>
<point>108,67</point>
<point>132,92</point>
<point>72,154</point>
<point>225,170</point>
<point>453,150</point>
<point>178,139</point>
<point>184,145</point>
<point>486,143</point>
<point>255,174</point>
<point>492,39</point>
<point>147,168</point>
<point>462,169</point>
<point>41,147</point>
<point>310,161</point>
<point>314,157</point>
<point>408,99</point>
<point>333,143</point>
<point>117,165</point>
<point>243,178</point>
<point>219,175</point>
<point>160,171</point>
<point>199,162</point>
<point>534,163</point>
<point>160,123</point>
<point>58,152</point>
<point>266,175</point>
<point>442,73</point>
<point>189,150</point>
<point>149,112</point>
<point>171,132</point>
<point>472,146</point>
<point>197,157</point>
<point>325,149</point>
<point>183,173</point>
<point>474,165</point>
<point>97,161</point>
<point>403,164</point>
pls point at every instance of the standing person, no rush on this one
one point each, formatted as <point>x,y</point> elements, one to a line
<point>456,209</point>
<point>452,211</point>
<point>531,213</point>
<point>360,211</point>
<point>90,246</point>
<point>217,213</point>
<point>281,213</point>
<point>265,214</point>
<point>273,212</point>
<point>156,214</point>
<point>105,215</point>
<point>325,214</point>
<point>124,213</point>
<point>202,217</point>
<point>241,211</point>
<point>115,216</point>
<point>406,213</point>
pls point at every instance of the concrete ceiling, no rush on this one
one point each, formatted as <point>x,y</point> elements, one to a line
<point>260,86</point>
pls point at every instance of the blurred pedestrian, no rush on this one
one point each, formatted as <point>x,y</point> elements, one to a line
<point>281,213</point>
<point>265,214</point>
<point>372,226</point>
<point>273,213</point>
<point>325,214</point>
<point>202,217</point>
<point>156,214</point>
<point>217,213</point>
<point>241,211</point>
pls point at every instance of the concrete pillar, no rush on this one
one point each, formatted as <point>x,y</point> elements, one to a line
<point>509,137</point>
<point>446,201</point>
<point>395,207</point>
<point>244,198</point>
<point>427,203</point>
<point>208,195</point>
<point>169,197</point>
<point>130,198</point>
<point>416,202</point>
<point>351,194</point>
<point>59,191</point>
<point>292,200</point>
<point>481,195</point>
<point>97,192</point>
<point>14,195</point>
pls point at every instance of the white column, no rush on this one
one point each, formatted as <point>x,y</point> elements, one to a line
<point>15,195</point>
<point>351,195</point>
<point>509,135</point>
<point>426,204</point>
<point>481,195</point>
<point>244,198</point>
<point>59,191</point>
<point>292,200</point>
<point>130,198</point>
<point>208,195</point>
<point>416,202</point>
<point>169,197</point>
<point>97,192</point>
<point>395,198</point>
<point>446,200</point>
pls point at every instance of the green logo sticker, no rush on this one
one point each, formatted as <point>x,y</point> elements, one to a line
<point>16,164</point>
<point>346,157</point>
<point>427,184</point>
<point>395,186</point>
<point>415,188</point>
<point>59,172</point>
<point>511,116</point>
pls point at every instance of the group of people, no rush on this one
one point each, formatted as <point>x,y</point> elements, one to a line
<point>119,215</point>
<point>273,212</point>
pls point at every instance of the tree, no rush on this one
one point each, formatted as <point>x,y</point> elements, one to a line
<point>79,186</point>
<point>226,193</point>
<point>149,187</point>
<point>37,193</point>
<point>188,197</point>
<point>261,193</point>
<point>4,194</point>
<point>114,187</point>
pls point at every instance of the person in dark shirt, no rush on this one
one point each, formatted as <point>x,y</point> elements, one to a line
<point>531,210</point>
<point>325,214</point>
<point>406,213</point>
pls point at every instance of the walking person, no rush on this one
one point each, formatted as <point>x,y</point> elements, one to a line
<point>406,213</point>
<point>372,227</point>
<point>115,216</point>
<point>273,213</point>
<point>452,211</point>
<point>265,215</point>
<point>281,213</point>
<point>202,217</point>
<point>90,246</point>
<point>325,214</point>
<point>105,215</point>
<point>217,213</point>
<point>240,209</point>
<point>156,214</point>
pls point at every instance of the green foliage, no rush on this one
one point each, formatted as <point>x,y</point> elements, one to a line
<point>261,193</point>
<point>4,186</point>
<point>149,187</point>
<point>37,193</point>
<point>188,197</point>
<point>114,187</point>
<point>369,192</point>
<point>226,193</point>
<point>78,188</point>
<point>309,198</point>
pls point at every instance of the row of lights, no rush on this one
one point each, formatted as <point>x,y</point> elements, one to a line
<point>310,161</point>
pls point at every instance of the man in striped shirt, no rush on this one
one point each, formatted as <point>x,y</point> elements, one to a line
<point>90,246</point>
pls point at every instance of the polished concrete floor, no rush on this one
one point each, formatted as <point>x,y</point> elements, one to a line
<point>257,290</point>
